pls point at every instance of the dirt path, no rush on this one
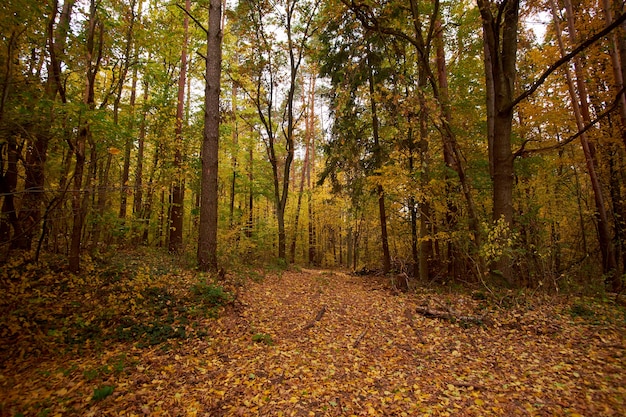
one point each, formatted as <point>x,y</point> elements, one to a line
<point>317,343</point>
<point>331,344</point>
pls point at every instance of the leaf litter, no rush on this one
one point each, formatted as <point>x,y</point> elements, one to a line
<point>302,343</point>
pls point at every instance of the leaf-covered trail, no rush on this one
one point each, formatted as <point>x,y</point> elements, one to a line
<point>315,343</point>
<point>370,355</point>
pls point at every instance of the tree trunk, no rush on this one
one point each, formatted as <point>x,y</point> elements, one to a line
<point>175,238</point>
<point>79,205</point>
<point>233,160</point>
<point>9,178</point>
<point>581,111</point>
<point>138,212</point>
<point>380,192</point>
<point>37,148</point>
<point>207,237</point>
<point>309,132</point>
<point>133,92</point>
<point>500,49</point>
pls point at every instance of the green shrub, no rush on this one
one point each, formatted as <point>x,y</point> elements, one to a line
<point>102,392</point>
<point>211,295</point>
<point>263,338</point>
<point>582,311</point>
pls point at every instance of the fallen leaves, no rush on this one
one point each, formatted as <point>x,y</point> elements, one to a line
<point>366,353</point>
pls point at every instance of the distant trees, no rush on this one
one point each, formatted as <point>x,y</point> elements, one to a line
<point>447,153</point>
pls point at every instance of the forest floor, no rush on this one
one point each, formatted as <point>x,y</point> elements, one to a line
<point>129,338</point>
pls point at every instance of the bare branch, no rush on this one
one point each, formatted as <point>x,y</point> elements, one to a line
<point>605,113</point>
<point>197,22</point>
<point>580,48</point>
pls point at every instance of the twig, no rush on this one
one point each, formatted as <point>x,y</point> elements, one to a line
<point>318,317</point>
<point>358,339</point>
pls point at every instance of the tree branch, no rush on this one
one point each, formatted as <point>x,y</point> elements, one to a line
<point>580,48</point>
<point>605,113</point>
<point>197,22</point>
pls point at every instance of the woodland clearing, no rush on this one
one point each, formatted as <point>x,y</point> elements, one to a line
<point>139,335</point>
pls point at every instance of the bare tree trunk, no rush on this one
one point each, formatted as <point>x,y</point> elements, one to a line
<point>175,240</point>
<point>133,93</point>
<point>80,196</point>
<point>425,247</point>
<point>233,161</point>
<point>138,211</point>
<point>580,105</point>
<point>380,192</point>
<point>207,238</point>
<point>309,132</point>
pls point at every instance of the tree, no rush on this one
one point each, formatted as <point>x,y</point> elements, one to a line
<point>271,63</point>
<point>207,238</point>
<point>80,196</point>
<point>177,190</point>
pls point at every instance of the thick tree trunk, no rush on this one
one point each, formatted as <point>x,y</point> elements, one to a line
<point>207,238</point>
<point>500,51</point>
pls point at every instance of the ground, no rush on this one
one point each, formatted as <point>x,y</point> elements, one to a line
<point>135,340</point>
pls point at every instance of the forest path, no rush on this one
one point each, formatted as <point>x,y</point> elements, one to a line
<point>324,343</point>
<point>345,345</point>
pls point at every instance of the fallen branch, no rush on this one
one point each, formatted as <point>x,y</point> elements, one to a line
<point>449,316</point>
<point>358,339</point>
<point>317,318</point>
<point>418,332</point>
<point>462,384</point>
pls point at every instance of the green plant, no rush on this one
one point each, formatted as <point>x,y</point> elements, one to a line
<point>263,338</point>
<point>582,311</point>
<point>211,295</point>
<point>102,392</point>
<point>91,374</point>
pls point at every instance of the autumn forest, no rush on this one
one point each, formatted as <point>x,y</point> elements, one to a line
<point>170,170</point>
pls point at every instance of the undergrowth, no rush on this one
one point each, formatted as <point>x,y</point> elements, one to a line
<point>131,297</point>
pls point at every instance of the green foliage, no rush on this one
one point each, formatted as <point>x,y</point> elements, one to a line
<point>210,295</point>
<point>102,392</point>
<point>264,338</point>
<point>581,310</point>
<point>500,241</point>
<point>149,334</point>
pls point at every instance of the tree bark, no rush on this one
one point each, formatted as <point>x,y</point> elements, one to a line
<point>380,192</point>
<point>80,195</point>
<point>500,51</point>
<point>133,93</point>
<point>207,238</point>
<point>309,132</point>
<point>580,106</point>
<point>37,147</point>
<point>175,238</point>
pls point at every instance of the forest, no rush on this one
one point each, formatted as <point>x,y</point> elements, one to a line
<point>185,184</point>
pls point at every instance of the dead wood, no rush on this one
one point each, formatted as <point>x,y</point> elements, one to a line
<point>358,339</point>
<point>409,316</point>
<point>317,318</point>
<point>450,316</point>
